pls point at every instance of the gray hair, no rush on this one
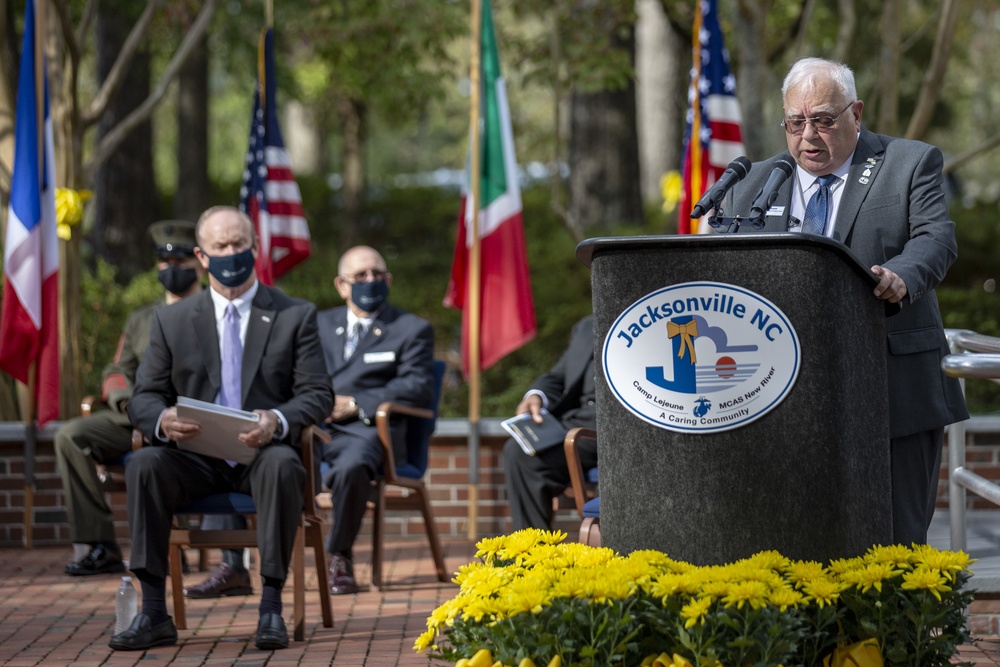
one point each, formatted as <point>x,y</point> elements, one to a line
<point>807,70</point>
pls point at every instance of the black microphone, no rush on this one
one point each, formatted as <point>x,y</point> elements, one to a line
<point>782,170</point>
<point>734,173</point>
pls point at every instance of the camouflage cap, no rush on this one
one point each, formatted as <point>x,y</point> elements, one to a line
<point>173,238</point>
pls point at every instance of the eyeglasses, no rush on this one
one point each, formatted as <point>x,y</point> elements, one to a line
<point>822,123</point>
<point>369,276</point>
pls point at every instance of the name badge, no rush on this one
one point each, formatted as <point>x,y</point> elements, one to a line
<point>379,357</point>
<point>777,211</point>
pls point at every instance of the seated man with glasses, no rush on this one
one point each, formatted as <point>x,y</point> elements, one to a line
<point>374,352</point>
<point>883,198</point>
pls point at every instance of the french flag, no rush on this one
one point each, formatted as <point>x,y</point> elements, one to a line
<point>29,324</point>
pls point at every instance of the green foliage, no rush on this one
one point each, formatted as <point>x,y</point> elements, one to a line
<point>968,296</point>
<point>104,309</point>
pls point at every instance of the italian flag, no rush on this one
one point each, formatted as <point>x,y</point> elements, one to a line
<point>507,308</point>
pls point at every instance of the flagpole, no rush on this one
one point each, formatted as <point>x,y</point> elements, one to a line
<point>474,304</point>
<point>695,140</point>
<point>31,405</point>
<point>269,13</point>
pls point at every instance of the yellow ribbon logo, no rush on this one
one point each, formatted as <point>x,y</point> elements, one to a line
<point>687,332</point>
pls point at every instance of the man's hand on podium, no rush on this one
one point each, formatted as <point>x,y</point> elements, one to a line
<point>890,286</point>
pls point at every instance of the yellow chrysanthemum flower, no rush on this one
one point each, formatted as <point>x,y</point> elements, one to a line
<point>674,583</point>
<point>800,571</point>
<point>841,565</point>
<point>946,561</point>
<point>871,576</point>
<point>895,553</point>
<point>770,560</point>
<point>784,597</point>
<point>742,592</point>
<point>926,578</point>
<point>694,612</point>
<point>823,591</point>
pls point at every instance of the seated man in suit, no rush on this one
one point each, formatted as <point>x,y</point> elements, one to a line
<point>240,344</point>
<point>567,391</point>
<point>107,434</point>
<point>374,352</point>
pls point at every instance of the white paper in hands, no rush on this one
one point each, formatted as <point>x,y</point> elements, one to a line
<point>220,430</point>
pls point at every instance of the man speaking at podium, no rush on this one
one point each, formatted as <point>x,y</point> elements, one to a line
<point>882,197</point>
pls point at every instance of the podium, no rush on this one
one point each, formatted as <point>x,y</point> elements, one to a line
<point>742,397</point>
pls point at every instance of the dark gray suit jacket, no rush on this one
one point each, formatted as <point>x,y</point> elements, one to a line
<point>282,362</point>
<point>393,362</point>
<point>896,217</point>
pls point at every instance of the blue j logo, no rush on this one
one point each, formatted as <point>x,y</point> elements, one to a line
<point>681,331</point>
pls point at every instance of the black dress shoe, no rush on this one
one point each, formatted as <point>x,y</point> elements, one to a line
<point>342,576</point>
<point>271,633</point>
<point>102,559</point>
<point>225,580</point>
<point>142,634</point>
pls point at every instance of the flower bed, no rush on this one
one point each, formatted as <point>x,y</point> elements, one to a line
<point>533,600</point>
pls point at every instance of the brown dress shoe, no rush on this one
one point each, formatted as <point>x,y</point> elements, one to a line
<point>224,580</point>
<point>342,576</point>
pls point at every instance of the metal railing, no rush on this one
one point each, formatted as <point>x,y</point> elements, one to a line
<point>977,356</point>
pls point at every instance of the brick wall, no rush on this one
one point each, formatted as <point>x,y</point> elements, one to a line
<point>446,479</point>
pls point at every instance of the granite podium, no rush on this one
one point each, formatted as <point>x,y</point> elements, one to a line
<point>741,392</point>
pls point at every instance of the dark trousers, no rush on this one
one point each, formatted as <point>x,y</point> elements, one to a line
<point>354,458</point>
<point>161,480</point>
<point>79,443</point>
<point>533,481</point>
<point>916,469</point>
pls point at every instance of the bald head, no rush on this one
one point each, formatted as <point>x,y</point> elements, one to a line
<point>358,266</point>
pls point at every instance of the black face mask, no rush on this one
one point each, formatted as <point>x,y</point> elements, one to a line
<point>369,297</point>
<point>232,270</point>
<point>177,279</point>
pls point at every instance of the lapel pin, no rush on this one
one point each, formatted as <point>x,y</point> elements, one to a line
<point>265,318</point>
<point>868,172</point>
<point>339,331</point>
<point>863,180</point>
<point>377,331</point>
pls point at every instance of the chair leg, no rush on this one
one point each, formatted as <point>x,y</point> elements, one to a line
<point>432,536</point>
<point>590,531</point>
<point>378,537</point>
<point>314,537</point>
<point>298,587</point>
<point>177,585</point>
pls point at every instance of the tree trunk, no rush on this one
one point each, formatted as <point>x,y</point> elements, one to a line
<point>888,70</point>
<point>604,181</point>
<point>193,191</point>
<point>352,193</point>
<point>661,74</point>
<point>126,199</point>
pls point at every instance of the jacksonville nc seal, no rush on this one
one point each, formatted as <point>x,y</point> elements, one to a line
<point>701,357</point>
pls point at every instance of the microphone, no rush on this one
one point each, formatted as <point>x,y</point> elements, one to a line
<point>734,173</point>
<point>782,170</point>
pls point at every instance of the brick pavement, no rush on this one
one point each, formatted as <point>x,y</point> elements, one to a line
<point>47,618</point>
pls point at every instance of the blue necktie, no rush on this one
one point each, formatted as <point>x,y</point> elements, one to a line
<point>351,342</point>
<point>232,362</point>
<point>818,207</point>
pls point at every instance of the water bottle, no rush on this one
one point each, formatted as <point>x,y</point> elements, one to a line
<point>126,605</point>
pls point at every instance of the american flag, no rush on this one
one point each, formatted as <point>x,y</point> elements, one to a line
<point>713,115</point>
<point>270,195</point>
